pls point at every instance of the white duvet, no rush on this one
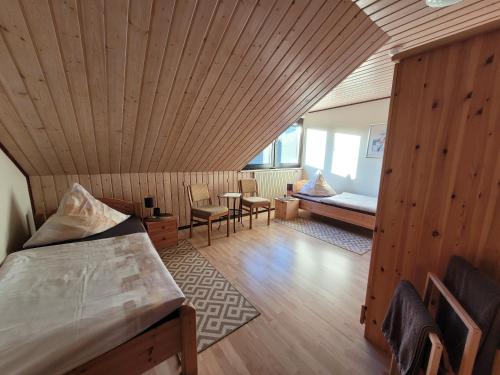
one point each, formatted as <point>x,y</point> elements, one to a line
<point>353,201</point>
<point>63,305</point>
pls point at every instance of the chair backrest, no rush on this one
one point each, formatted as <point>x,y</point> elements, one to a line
<point>248,186</point>
<point>198,192</point>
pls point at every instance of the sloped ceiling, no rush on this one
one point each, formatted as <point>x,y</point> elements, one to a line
<point>409,23</point>
<point>116,86</point>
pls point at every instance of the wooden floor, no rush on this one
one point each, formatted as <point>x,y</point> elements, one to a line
<point>309,294</point>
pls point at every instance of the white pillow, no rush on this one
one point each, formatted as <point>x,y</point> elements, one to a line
<point>79,215</point>
<point>317,187</point>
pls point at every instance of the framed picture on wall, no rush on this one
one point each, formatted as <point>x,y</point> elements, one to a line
<point>376,141</point>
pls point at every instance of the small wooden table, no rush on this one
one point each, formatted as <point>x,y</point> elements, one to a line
<point>162,231</point>
<point>286,208</point>
<point>234,210</point>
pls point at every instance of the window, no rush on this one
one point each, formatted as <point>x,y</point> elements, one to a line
<point>345,155</point>
<point>263,159</point>
<point>315,148</point>
<point>288,146</point>
<point>284,152</point>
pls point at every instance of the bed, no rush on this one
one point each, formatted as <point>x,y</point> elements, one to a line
<point>351,208</point>
<point>104,304</point>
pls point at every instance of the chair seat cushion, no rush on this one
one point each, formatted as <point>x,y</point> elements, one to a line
<point>255,201</point>
<point>209,210</point>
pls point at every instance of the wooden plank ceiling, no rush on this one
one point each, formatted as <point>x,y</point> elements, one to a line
<point>118,86</point>
<point>409,23</point>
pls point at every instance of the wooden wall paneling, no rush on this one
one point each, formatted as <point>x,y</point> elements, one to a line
<point>91,14</point>
<point>14,95</point>
<point>16,151</point>
<point>42,32</point>
<point>350,32</point>
<point>160,192</point>
<point>84,180</point>
<point>183,180</point>
<point>96,184</point>
<point>107,185</point>
<point>38,196</point>
<point>176,40</point>
<point>66,24</point>
<point>137,42</point>
<point>143,190</point>
<point>126,187</point>
<point>236,38</point>
<point>61,185</point>
<point>152,187</point>
<point>193,47</point>
<point>409,24</point>
<point>271,52</point>
<point>250,41</point>
<point>116,26</point>
<point>72,178</point>
<point>104,87</point>
<point>169,189</point>
<point>49,194</point>
<point>439,188</point>
<point>212,39</point>
<point>36,94</point>
<point>116,183</point>
<point>174,193</point>
<point>168,192</point>
<point>316,89</point>
<point>300,42</point>
<point>161,20</point>
<point>137,197</point>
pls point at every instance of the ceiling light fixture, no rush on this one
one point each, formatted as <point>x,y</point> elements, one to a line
<point>441,3</point>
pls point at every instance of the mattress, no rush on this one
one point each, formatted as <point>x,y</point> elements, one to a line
<point>357,202</point>
<point>63,305</point>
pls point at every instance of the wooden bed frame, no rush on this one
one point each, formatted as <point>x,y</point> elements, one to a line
<point>362,219</point>
<point>174,334</point>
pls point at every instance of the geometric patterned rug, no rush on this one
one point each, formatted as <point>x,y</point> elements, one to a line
<point>220,308</point>
<point>358,241</point>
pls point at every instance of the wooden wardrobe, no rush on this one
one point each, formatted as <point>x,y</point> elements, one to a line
<point>439,193</point>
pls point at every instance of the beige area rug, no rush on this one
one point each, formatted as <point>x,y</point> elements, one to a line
<point>357,240</point>
<point>220,308</point>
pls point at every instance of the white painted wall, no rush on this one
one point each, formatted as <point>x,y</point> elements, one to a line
<point>351,121</point>
<point>16,216</point>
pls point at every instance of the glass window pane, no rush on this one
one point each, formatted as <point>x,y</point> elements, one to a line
<point>288,146</point>
<point>315,148</point>
<point>264,157</point>
<point>346,155</point>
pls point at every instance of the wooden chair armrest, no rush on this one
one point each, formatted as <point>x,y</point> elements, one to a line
<point>496,363</point>
<point>474,332</point>
<point>434,357</point>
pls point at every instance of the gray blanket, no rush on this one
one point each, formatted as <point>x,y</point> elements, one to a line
<point>480,297</point>
<point>406,327</point>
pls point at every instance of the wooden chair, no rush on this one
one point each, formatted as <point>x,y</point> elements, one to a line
<point>208,212</point>
<point>252,201</point>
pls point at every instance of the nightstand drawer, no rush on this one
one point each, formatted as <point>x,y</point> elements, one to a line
<point>162,226</point>
<point>164,243</point>
<point>162,236</point>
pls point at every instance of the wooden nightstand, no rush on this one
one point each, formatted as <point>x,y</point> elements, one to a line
<point>286,209</point>
<point>162,231</point>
